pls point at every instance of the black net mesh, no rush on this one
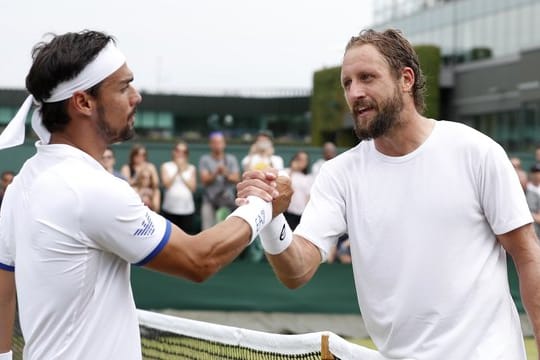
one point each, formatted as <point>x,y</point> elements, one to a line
<point>17,344</point>
<point>162,345</point>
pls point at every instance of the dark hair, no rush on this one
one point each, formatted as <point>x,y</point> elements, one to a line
<point>59,60</point>
<point>295,157</point>
<point>135,150</point>
<point>399,53</point>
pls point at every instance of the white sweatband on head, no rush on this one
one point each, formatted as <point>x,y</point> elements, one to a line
<point>107,61</point>
<point>257,213</point>
<point>6,356</point>
<point>276,236</point>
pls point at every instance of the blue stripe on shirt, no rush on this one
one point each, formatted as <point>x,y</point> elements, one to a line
<point>161,245</point>
<point>7,267</point>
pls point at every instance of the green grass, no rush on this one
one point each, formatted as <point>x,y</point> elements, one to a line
<point>530,346</point>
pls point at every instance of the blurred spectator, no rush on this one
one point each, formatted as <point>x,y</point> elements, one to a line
<point>301,183</point>
<point>537,154</point>
<point>341,253</point>
<point>108,160</point>
<point>147,188</point>
<point>219,174</point>
<point>522,174</point>
<point>6,179</point>
<point>533,196</point>
<point>179,178</point>
<point>138,160</point>
<point>261,154</point>
<point>328,152</point>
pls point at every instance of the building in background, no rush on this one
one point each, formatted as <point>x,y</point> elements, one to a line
<point>285,113</point>
<point>490,51</point>
<point>485,65</point>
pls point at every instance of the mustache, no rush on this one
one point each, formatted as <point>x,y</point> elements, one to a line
<point>362,103</point>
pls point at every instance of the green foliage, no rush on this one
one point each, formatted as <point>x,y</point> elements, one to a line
<point>430,63</point>
<point>328,106</point>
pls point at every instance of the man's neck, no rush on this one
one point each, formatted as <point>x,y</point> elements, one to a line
<point>92,148</point>
<point>406,136</point>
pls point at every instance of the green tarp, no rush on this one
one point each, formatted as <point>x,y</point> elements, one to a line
<point>246,286</point>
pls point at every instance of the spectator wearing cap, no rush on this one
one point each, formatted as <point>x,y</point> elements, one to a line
<point>533,196</point>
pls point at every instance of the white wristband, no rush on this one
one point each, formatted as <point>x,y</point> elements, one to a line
<point>257,213</point>
<point>6,356</point>
<point>277,236</point>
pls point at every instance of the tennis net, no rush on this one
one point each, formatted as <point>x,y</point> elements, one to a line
<point>165,337</point>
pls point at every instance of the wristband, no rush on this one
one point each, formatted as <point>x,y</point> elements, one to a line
<point>257,213</point>
<point>277,236</point>
<point>6,356</point>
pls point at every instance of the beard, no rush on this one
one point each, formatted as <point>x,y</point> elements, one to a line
<point>385,120</point>
<point>113,135</point>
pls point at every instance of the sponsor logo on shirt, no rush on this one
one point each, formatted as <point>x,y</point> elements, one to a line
<point>147,227</point>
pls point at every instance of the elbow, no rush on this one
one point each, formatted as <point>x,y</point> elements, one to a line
<point>292,283</point>
<point>204,269</point>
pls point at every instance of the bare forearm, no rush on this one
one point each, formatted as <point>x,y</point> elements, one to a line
<point>200,256</point>
<point>7,318</point>
<point>233,177</point>
<point>529,279</point>
<point>296,265</point>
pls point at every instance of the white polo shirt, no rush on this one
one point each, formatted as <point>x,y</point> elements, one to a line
<point>430,275</point>
<point>70,231</point>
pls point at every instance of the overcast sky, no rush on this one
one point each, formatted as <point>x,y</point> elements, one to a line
<point>200,45</point>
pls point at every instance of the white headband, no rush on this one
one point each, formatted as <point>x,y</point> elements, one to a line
<point>106,62</point>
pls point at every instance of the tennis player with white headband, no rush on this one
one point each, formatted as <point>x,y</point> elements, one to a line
<point>70,230</point>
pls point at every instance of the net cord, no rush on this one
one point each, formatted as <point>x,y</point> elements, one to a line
<point>258,340</point>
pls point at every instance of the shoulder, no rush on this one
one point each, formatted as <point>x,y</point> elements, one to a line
<point>356,154</point>
<point>460,133</point>
<point>462,140</point>
<point>205,158</point>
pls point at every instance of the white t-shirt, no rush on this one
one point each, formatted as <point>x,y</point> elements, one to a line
<point>301,185</point>
<point>259,162</point>
<point>430,276</point>
<point>71,229</point>
<point>178,199</point>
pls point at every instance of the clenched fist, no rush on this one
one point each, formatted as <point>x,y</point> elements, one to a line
<point>282,200</point>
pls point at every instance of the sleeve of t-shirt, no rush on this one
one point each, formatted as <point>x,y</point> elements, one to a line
<point>7,261</point>
<point>502,196</point>
<point>323,220</point>
<point>114,219</point>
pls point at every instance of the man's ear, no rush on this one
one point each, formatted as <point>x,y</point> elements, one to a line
<point>407,76</point>
<point>83,103</point>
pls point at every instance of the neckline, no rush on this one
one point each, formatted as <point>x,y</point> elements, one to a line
<point>412,154</point>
